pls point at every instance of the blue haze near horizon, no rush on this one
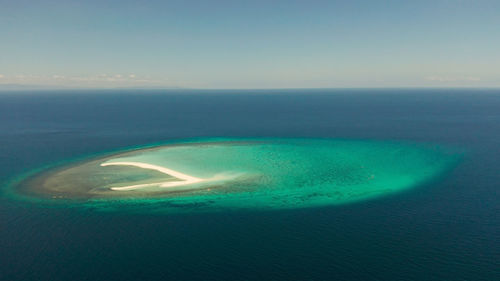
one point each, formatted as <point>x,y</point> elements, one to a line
<point>445,230</point>
<point>249,44</point>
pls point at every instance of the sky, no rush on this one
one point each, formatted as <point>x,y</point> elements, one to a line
<point>249,44</point>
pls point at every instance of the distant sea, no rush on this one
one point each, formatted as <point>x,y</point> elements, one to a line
<point>448,229</point>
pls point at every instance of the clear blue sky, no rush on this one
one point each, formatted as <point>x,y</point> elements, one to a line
<point>250,44</point>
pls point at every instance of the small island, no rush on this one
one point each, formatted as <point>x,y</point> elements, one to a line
<point>215,174</point>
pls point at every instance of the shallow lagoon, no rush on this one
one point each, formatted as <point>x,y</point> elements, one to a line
<point>220,174</point>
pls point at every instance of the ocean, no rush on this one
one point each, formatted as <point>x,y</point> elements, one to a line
<point>446,229</point>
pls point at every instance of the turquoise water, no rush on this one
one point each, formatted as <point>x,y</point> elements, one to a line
<point>275,174</point>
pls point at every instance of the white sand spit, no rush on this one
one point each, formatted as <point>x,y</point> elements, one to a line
<point>184,179</point>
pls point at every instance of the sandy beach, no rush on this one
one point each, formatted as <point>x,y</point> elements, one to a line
<point>185,179</point>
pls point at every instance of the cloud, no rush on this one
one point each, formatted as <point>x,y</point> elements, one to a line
<point>475,79</point>
<point>89,81</point>
<point>453,79</point>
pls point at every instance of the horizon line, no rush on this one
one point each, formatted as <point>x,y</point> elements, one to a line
<point>41,89</point>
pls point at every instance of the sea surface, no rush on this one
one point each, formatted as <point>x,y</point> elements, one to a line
<point>445,229</point>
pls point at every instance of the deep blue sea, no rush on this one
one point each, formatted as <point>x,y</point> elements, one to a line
<point>448,229</point>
